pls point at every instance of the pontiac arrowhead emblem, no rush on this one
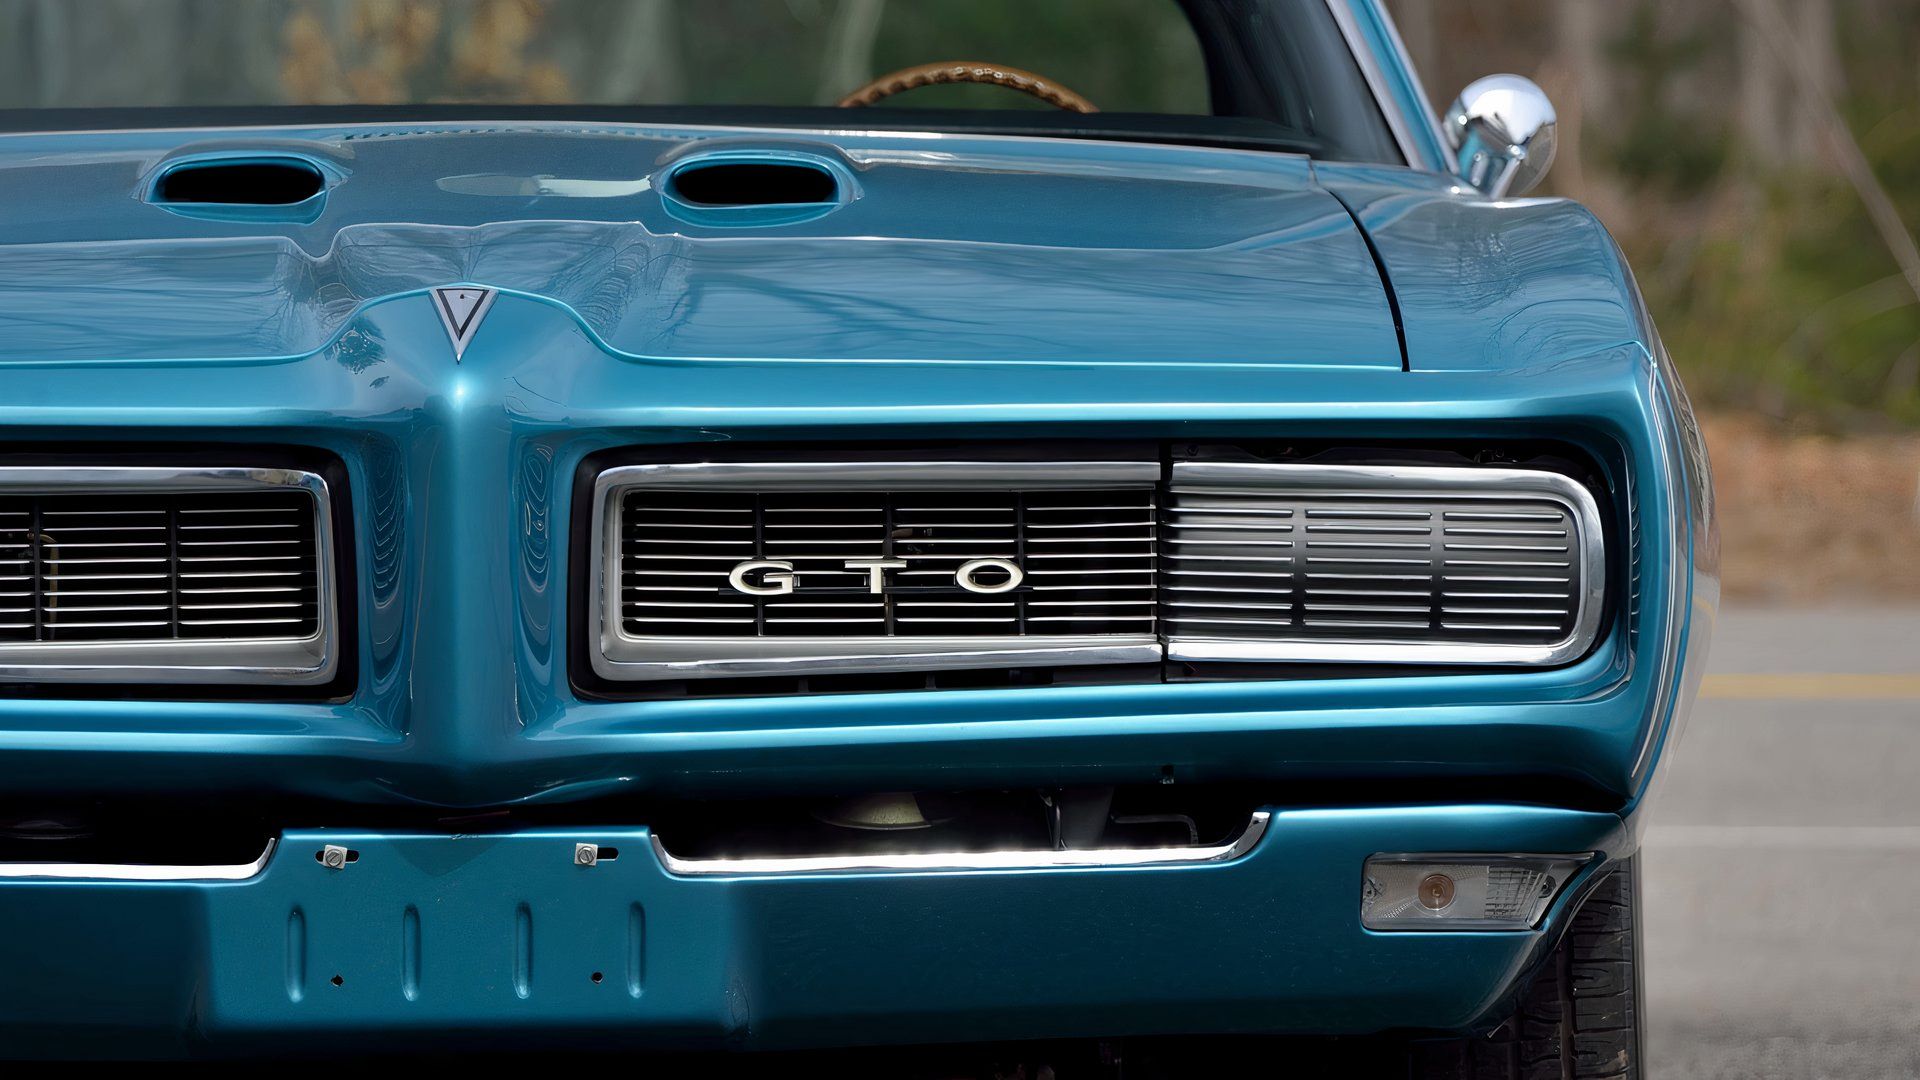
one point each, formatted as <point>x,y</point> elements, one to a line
<point>461,308</point>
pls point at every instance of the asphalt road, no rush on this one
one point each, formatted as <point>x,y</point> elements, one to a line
<point>1782,866</point>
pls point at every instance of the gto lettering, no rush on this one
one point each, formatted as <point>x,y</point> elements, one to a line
<point>777,577</point>
<point>777,581</point>
<point>965,578</point>
<point>876,571</point>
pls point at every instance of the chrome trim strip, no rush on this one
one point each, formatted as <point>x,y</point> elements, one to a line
<point>697,658</point>
<point>882,475</point>
<point>1670,446</point>
<point>1402,481</point>
<point>474,125</point>
<point>211,661</point>
<point>1369,65</point>
<point>625,657</point>
<point>138,871</point>
<point>972,861</point>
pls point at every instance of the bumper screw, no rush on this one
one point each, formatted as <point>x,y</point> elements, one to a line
<point>586,854</point>
<point>333,857</point>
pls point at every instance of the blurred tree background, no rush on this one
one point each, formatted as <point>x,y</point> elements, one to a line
<point>1760,162</point>
<point>1131,55</point>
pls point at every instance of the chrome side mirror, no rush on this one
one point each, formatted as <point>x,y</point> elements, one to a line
<point>1502,130</point>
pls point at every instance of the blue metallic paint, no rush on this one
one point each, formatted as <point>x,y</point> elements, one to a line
<point>449,715</point>
<point>975,288</point>
<point>966,239</point>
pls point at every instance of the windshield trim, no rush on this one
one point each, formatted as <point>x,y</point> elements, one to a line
<point>521,125</point>
<point>1425,115</point>
<point>1228,133</point>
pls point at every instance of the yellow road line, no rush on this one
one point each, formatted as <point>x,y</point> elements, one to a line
<point>1812,686</point>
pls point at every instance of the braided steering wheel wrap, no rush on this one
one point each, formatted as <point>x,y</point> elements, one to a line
<point>967,71</point>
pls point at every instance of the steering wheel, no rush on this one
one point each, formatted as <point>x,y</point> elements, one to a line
<point>967,71</point>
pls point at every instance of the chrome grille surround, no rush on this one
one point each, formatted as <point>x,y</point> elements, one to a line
<point>1252,562</point>
<point>1289,562</point>
<point>1035,514</point>
<point>307,656</point>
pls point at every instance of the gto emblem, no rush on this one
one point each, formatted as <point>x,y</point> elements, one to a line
<point>777,576</point>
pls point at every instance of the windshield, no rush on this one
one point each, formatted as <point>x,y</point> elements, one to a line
<point>1252,72</point>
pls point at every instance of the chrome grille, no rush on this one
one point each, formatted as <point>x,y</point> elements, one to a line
<point>705,570</point>
<point>1087,559</point>
<point>1378,563</point>
<point>144,574</point>
<point>1080,535</point>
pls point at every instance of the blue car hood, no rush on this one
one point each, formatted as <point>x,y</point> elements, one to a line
<point>946,248</point>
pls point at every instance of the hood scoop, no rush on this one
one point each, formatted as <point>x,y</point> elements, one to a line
<point>251,187</point>
<point>738,189</point>
<point>753,183</point>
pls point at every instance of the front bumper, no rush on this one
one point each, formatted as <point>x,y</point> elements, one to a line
<point>498,939</point>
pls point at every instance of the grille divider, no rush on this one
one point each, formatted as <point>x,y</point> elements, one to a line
<point>36,571</point>
<point>173,569</point>
<point>1437,571</point>
<point>759,552</point>
<point>1020,596</point>
<point>1298,581</point>
<point>888,612</point>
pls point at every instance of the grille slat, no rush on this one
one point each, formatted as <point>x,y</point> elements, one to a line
<point>128,567</point>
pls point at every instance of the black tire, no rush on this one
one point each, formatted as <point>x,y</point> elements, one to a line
<point>1580,1020</point>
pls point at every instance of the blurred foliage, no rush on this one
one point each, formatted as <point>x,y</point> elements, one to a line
<point>1694,141</point>
<point>1788,301</point>
<point>1127,55</point>
<point>1661,141</point>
